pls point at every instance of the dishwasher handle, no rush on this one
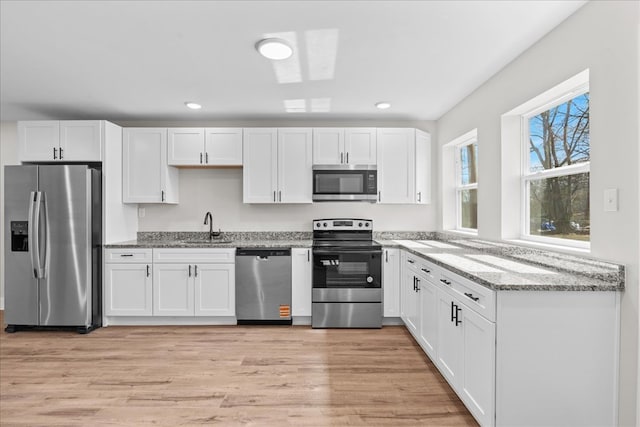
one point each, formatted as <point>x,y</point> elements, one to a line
<point>263,253</point>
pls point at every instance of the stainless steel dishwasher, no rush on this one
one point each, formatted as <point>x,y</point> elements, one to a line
<point>263,286</point>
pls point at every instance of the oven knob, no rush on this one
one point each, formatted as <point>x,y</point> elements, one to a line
<point>325,224</point>
<point>366,224</point>
<point>318,224</point>
<point>359,224</point>
<point>369,279</point>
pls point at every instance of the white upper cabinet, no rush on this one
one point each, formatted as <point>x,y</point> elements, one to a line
<point>336,146</point>
<point>396,167</point>
<point>360,146</point>
<point>404,166</point>
<point>65,141</point>
<point>205,146</point>
<point>146,176</point>
<point>328,146</point>
<point>277,165</point>
<point>260,165</point>
<point>294,165</point>
<point>223,146</point>
<point>423,167</point>
<point>186,146</point>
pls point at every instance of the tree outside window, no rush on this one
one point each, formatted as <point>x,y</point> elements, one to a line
<point>467,185</point>
<point>556,180</point>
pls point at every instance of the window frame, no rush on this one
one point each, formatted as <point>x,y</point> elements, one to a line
<point>526,176</point>
<point>459,187</point>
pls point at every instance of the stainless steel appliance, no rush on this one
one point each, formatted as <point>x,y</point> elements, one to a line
<point>347,275</point>
<point>345,182</point>
<point>263,286</point>
<point>53,223</point>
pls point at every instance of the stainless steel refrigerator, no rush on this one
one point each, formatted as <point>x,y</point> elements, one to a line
<point>53,240</point>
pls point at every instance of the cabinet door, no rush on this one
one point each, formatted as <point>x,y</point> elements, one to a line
<point>301,282</point>
<point>144,157</point>
<point>423,167</point>
<point>260,165</point>
<point>81,140</point>
<point>185,146</point>
<point>449,339</point>
<point>328,146</point>
<point>223,146</point>
<point>214,286</point>
<point>294,165</point>
<point>428,324</point>
<point>173,290</point>
<point>396,165</point>
<point>477,387</point>
<point>360,146</point>
<point>128,290</point>
<point>409,303</point>
<point>391,282</point>
<point>38,139</point>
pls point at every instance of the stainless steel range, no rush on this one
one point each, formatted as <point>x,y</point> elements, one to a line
<point>347,274</point>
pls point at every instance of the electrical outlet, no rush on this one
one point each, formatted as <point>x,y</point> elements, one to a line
<point>141,212</point>
<point>611,200</point>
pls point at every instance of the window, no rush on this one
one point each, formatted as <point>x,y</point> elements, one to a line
<point>555,179</point>
<point>467,185</point>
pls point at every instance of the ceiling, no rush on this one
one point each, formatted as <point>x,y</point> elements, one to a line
<point>142,60</point>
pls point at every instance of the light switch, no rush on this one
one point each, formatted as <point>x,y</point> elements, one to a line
<point>141,212</point>
<point>611,200</point>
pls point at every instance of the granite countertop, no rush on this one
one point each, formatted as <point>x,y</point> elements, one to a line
<point>496,265</point>
<point>225,240</point>
<point>505,267</point>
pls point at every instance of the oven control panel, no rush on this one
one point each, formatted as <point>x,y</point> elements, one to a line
<point>343,224</point>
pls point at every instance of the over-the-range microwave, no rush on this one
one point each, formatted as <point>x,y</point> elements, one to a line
<point>345,183</point>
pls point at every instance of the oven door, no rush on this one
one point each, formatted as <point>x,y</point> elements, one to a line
<point>344,184</point>
<point>347,268</point>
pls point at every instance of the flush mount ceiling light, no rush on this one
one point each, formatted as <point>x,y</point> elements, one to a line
<point>274,48</point>
<point>193,105</point>
<point>383,105</point>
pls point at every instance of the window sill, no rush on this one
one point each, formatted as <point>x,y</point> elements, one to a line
<point>548,246</point>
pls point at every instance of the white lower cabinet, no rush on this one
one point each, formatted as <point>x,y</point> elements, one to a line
<point>301,279</point>
<point>391,282</point>
<point>459,341</point>
<point>128,282</point>
<point>173,290</point>
<point>128,290</point>
<point>169,282</point>
<point>214,291</point>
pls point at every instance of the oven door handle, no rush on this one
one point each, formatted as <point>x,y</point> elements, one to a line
<point>346,251</point>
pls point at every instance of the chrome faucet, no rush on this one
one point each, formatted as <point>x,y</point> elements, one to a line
<point>208,219</point>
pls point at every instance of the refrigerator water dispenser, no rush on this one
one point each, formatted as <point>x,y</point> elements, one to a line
<point>19,236</point>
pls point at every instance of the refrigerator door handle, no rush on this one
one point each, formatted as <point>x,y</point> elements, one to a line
<point>32,229</point>
<point>34,233</point>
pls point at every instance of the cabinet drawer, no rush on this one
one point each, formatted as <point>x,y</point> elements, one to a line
<point>428,271</point>
<point>476,297</point>
<point>195,255</point>
<point>133,255</point>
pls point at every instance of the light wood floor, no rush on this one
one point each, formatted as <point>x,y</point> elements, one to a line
<point>247,375</point>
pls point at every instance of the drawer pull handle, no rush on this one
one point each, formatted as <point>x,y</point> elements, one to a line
<point>123,255</point>
<point>470,295</point>
<point>417,284</point>
<point>425,270</point>
<point>458,310</point>
<point>410,261</point>
<point>445,281</point>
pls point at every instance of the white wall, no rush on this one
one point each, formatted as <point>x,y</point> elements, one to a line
<point>220,191</point>
<point>8,156</point>
<point>602,37</point>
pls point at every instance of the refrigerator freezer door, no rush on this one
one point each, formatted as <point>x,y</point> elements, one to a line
<point>65,290</point>
<point>21,286</point>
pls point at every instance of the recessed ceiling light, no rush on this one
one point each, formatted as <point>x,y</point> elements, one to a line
<point>383,105</point>
<point>274,48</point>
<point>193,105</point>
